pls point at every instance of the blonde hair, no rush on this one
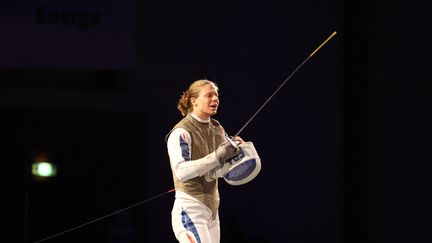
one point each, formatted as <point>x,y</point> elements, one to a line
<point>184,104</point>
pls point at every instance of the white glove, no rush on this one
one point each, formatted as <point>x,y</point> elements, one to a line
<point>224,152</point>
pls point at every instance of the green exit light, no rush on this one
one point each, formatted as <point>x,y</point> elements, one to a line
<point>44,169</point>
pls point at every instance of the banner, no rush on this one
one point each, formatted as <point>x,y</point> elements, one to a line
<point>68,34</point>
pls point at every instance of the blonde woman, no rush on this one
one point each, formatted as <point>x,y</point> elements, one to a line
<point>196,145</point>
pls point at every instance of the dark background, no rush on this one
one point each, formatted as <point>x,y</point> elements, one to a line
<point>345,144</point>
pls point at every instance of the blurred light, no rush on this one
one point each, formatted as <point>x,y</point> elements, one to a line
<point>44,169</point>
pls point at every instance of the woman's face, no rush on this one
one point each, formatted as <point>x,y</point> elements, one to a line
<point>206,104</point>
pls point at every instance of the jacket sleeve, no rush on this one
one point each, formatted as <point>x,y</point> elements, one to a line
<point>179,146</point>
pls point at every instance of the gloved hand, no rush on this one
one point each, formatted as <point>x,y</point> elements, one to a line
<point>226,151</point>
<point>217,158</point>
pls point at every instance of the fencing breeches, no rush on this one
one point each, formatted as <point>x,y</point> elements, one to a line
<point>192,222</point>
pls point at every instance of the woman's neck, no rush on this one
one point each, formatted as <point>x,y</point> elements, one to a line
<point>200,119</point>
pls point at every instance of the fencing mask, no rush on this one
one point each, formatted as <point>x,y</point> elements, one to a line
<point>240,169</point>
